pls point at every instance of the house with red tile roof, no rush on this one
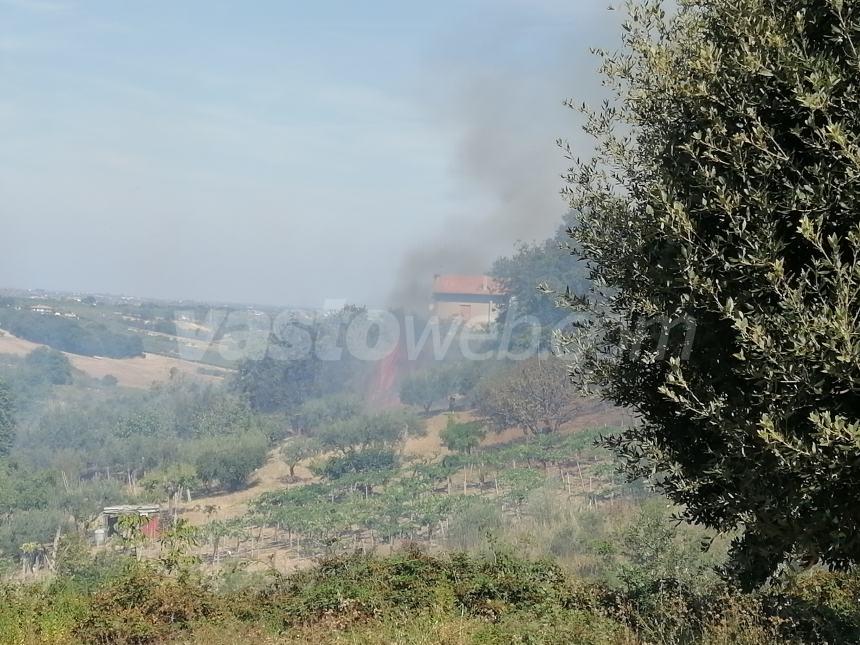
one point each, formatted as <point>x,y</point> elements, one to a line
<point>473,298</point>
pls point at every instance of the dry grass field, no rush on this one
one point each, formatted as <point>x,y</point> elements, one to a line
<point>139,372</point>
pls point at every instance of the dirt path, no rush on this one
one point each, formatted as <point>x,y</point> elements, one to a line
<point>274,475</point>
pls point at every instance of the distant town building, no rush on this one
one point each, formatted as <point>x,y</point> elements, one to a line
<point>473,298</point>
<point>46,310</point>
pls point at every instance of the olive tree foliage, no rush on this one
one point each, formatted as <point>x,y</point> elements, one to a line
<point>315,413</point>
<point>725,189</point>
<point>428,387</point>
<point>49,365</point>
<point>532,272</point>
<point>297,450</point>
<point>462,437</point>
<point>386,429</point>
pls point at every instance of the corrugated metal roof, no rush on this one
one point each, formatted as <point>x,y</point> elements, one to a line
<point>126,509</point>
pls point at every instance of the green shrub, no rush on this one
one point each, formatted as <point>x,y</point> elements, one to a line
<point>143,605</point>
<point>49,365</point>
<point>414,597</point>
<point>230,463</point>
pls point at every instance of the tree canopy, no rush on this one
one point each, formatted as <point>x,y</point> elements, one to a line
<point>427,387</point>
<point>462,437</point>
<point>84,337</point>
<point>297,450</point>
<point>535,395</point>
<point>49,365</point>
<point>724,194</point>
<point>551,264</point>
<point>365,431</point>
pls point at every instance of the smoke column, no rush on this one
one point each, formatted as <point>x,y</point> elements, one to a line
<point>507,160</point>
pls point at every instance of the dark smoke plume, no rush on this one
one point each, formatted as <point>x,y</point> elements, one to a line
<point>508,120</point>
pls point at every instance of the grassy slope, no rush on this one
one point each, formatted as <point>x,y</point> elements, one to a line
<point>139,372</point>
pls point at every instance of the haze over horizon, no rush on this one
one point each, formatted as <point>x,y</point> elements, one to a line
<point>282,153</point>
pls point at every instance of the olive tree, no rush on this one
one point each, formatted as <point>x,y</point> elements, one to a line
<point>427,387</point>
<point>386,429</point>
<point>462,437</point>
<point>724,194</point>
<point>315,413</point>
<point>298,449</point>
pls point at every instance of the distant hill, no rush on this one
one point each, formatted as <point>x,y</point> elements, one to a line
<point>68,334</point>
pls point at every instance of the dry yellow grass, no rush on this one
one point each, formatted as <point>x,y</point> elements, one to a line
<point>430,445</point>
<point>274,475</point>
<point>139,372</point>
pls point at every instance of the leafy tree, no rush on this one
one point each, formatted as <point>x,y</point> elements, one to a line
<point>367,443</point>
<point>271,385</point>
<point>427,387</point>
<point>49,365</point>
<point>176,543</point>
<point>550,264</point>
<point>725,191</point>
<point>229,464</point>
<point>297,450</point>
<point>109,380</point>
<point>535,395</point>
<point>463,437</point>
<point>218,414</point>
<point>171,483</point>
<point>325,410</point>
<point>84,337</point>
<point>7,420</point>
<point>371,460</point>
<point>290,373</point>
<point>380,430</point>
<point>22,489</point>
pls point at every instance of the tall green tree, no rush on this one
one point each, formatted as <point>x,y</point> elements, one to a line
<point>7,420</point>
<point>387,429</point>
<point>325,410</point>
<point>726,190</point>
<point>536,270</point>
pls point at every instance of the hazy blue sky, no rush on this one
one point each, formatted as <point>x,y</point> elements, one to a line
<point>280,152</point>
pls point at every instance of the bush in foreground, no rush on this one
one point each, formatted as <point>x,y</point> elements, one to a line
<point>413,597</point>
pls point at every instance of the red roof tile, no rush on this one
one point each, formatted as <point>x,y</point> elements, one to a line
<point>481,285</point>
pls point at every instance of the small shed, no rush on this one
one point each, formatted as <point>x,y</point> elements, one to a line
<point>151,529</point>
